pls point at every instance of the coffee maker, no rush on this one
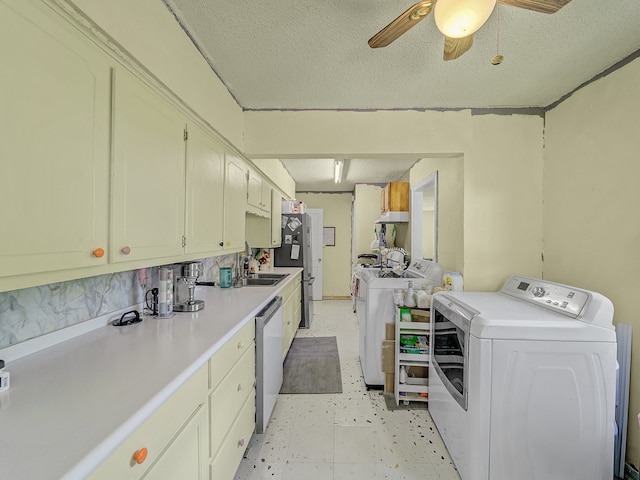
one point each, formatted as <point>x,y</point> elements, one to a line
<point>184,285</point>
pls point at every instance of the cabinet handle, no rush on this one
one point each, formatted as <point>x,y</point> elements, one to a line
<point>140,456</point>
<point>239,387</point>
<point>241,442</point>
<point>221,244</point>
<point>98,253</point>
<point>125,250</point>
<point>240,345</point>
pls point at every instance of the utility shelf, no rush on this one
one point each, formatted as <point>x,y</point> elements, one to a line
<point>416,388</point>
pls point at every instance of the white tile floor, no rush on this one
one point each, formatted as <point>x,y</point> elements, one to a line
<point>347,436</point>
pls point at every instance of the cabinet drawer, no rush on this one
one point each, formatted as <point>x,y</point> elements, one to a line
<point>228,355</point>
<point>227,399</point>
<point>155,433</point>
<point>291,288</point>
<point>226,461</point>
<point>297,296</point>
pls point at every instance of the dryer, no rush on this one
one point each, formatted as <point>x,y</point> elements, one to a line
<point>523,381</point>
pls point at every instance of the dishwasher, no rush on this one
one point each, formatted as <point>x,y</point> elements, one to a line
<point>268,361</point>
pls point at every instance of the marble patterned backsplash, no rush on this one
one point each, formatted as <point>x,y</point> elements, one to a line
<point>32,312</point>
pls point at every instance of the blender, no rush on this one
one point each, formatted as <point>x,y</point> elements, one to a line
<point>184,287</point>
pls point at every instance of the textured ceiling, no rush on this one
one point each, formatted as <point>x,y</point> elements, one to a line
<point>301,54</point>
<point>304,55</point>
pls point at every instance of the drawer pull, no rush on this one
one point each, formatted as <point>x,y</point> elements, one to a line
<point>98,253</point>
<point>240,345</point>
<point>140,456</point>
<point>125,250</point>
<point>239,387</point>
<point>241,442</point>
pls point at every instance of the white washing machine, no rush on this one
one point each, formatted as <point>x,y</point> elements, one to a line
<point>375,307</point>
<point>522,381</point>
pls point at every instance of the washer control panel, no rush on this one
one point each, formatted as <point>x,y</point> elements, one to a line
<point>560,298</point>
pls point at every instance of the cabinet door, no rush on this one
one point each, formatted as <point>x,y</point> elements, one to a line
<point>276,222</point>
<point>235,203</point>
<point>186,457</point>
<point>265,203</point>
<point>205,199</point>
<point>254,186</point>
<point>148,187</point>
<point>54,143</point>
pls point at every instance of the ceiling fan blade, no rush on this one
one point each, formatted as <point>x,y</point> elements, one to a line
<point>456,47</point>
<point>401,24</point>
<point>542,6</point>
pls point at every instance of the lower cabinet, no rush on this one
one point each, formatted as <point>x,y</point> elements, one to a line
<point>175,433</point>
<point>227,459</point>
<point>291,313</point>
<point>202,430</point>
<point>232,403</point>
<point>187,457</point>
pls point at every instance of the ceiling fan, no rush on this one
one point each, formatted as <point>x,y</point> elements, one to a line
<point>458,20</point>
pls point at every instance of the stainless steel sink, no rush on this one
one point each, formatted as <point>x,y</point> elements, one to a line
<point>278,276</point>
<point>265,279</point>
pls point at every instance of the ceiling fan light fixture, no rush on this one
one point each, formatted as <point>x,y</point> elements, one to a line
<point>461,18</point>
<point>337,171</point>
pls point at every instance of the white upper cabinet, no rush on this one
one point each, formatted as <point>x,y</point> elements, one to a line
<point>254,187</point>
<point>276,218</point>
<point>235,203</point>
<point>54,143</point>
<point>205,194</point>
<point>148,177</point>
<point>258,195</point>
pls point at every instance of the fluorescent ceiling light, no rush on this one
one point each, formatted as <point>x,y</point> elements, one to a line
<point>337,171</point>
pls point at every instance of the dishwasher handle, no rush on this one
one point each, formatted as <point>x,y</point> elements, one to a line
<point>269,311</point>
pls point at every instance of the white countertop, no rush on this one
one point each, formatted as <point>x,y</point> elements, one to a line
<point>71,404</point>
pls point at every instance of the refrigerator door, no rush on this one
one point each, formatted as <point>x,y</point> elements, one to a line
<point>292,251</point>
<point>296,252</point>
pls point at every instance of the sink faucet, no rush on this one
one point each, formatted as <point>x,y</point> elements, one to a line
<point>240,272</point>
<point>238,280</point>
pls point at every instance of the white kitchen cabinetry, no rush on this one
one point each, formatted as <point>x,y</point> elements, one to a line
<point>416,387</point>
<point>263,232</point>
<point>54,143</point>
<point>186,458</point>
<point>291,312</point>
<point>258,195</point>
<point>172,439</point>
<point>235,203</point>
<point>276,218</point>
<point>148,188</point>
<point>232,402</point>
<point>205,194</point>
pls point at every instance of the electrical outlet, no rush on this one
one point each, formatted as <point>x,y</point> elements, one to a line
<point>630,472</point>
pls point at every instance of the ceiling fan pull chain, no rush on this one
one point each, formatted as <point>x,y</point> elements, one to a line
<point>497,60</point>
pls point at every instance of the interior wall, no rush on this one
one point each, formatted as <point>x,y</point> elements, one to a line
<point>502,172</point>
<point>150,33</point>
<point>336,261</point>
<point>591,228</point>
<point>366,210</point>
<point>503,200</point>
